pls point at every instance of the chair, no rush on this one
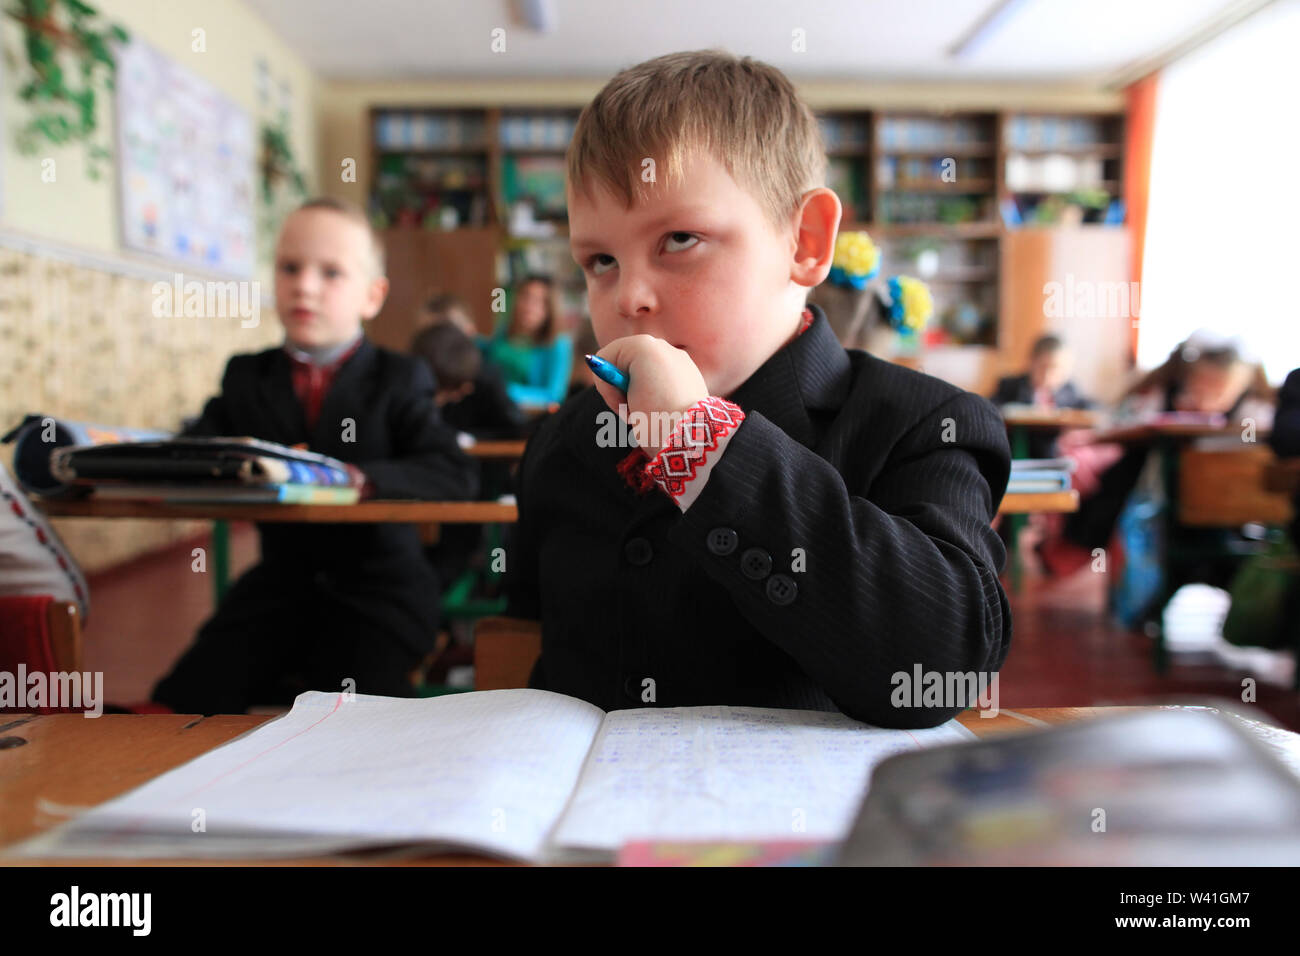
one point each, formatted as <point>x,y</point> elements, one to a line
<point>505,650</point>
<point>1216,493</point>
<point>40,634</point>
<point>64,623</point>
<point>1224,489</point>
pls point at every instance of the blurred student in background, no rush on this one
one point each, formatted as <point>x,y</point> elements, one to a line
<point>534,354</point>
<point>1046,384</point>
<point>458,368</point>
<point>1206,376</point>
<point>480,407</point>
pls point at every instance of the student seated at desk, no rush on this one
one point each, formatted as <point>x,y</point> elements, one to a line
<point>818,522</point>
<point>1204,374</point>
<point>482,408</point>
<point>456,363</point>
<point>327,603</point>
<point>1046,385</point>
<point>535,356</point>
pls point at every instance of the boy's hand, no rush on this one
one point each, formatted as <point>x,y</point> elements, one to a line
<point>664,383</point>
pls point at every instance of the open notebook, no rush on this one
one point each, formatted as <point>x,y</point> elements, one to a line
<point>522,774</point>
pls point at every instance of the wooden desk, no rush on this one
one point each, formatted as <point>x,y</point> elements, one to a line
<point>1283,476</point>
<point>1169,433</point>
<point>1045,502</point>
<point>417,512</point>
<point>513,448</point>
<point>68,760</point>
<point>1019,425</point>
<point>365,512</point>
<point>1052,419</point>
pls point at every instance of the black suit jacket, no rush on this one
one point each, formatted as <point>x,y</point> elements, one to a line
<point>1286,424</point>
<point>487,412</point>
<point>843,537</point>
<point>1016,389</point>
<point>396,438</point>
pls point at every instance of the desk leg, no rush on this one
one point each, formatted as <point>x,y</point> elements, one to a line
<point>1168,547</point>
<point>1019,449</point>
<point>220,560</point>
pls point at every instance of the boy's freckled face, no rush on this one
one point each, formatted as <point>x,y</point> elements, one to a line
<point>323,282</point>
<point>698,265</point>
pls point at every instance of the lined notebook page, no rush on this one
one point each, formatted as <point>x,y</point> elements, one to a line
<point>742,773</point>
<point>491,770</point>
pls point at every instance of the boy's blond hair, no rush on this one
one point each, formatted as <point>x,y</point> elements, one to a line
<point>742,112</point>
<point>354,213</point>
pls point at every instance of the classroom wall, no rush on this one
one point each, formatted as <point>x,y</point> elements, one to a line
<point>344,107</point>
<point>78,337</point>
<point>83,211</point>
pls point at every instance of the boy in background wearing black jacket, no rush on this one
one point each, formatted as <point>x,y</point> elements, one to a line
<point>330,606</point>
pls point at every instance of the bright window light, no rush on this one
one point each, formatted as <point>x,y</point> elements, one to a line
<point>1223,226</point>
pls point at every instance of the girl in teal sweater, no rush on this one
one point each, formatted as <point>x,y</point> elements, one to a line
<point>533,355</point>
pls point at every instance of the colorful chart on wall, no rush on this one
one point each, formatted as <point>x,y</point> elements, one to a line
<point>185,165</point>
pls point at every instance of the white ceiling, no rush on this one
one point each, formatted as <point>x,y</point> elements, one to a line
<point>1075,41</point>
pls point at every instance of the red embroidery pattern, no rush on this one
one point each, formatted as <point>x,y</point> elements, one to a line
<point>677,463</point>
<point>807,321</point>
<point>632,470</point>
<point>691,443</point>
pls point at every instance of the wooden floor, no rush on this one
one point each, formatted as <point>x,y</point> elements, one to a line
<point>1064,652</point>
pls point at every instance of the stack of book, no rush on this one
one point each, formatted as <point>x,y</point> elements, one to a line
<point>215,470</point>
<point>1039,475</point>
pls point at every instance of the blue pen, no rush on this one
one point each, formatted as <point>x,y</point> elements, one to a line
<point>608,372</point>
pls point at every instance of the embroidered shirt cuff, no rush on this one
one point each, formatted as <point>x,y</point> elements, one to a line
<point>683,465</point>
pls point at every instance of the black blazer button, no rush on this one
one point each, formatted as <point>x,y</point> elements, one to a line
<point>781,589</point>
<point>638,551</point>
<point>722,541</point>
<point>756,564</point>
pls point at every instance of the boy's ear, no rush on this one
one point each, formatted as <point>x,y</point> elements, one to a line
<point>816,224</point>
<point>375,296</point>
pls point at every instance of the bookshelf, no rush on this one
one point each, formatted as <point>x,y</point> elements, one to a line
<point>492,175</point>
<point>939,192</point>
<point>446,168</point>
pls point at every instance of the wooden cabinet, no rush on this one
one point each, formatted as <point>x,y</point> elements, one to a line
<point>422,262</point>
<point>1073,282</point>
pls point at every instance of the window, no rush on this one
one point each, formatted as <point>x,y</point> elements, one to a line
<point>1223,228</point>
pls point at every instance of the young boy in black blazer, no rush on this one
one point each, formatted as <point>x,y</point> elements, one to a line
<point>327,603</point>
<point>813,530</point>
<point>1045,384</point>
